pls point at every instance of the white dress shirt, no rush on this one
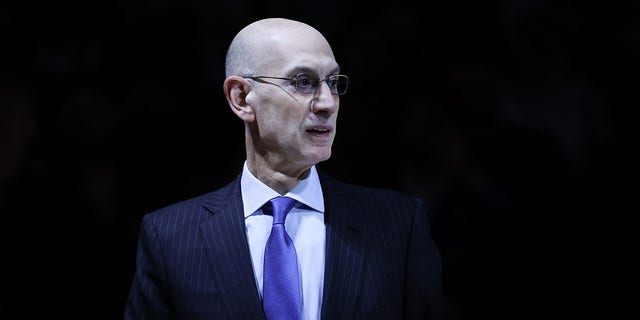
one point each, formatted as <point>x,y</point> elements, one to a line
<point>305,226</point>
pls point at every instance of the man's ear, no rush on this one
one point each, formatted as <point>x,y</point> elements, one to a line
<point>236,90</point>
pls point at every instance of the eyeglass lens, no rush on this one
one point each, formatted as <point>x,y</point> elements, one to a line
<point>307,83</point>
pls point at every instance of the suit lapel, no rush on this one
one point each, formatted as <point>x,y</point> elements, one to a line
<point>344,265</point>
<point>228,252</point>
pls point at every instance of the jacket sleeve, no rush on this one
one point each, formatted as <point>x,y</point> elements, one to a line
<point>148,294</point>
<point>424,296</point>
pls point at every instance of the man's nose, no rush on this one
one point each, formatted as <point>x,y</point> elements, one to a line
<point>324,100</point>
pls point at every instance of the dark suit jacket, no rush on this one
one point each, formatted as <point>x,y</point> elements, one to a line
<point>193,259</point>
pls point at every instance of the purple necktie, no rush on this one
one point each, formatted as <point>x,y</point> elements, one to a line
<point>281,288</point>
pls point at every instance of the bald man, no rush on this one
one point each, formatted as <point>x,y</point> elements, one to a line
<point>361,253</point>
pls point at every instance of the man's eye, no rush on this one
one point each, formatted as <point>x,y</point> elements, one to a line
<point>304,81</point>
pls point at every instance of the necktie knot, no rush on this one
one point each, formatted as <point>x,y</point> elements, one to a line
<point>279,207</point>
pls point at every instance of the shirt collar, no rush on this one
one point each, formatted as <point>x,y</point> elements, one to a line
<point>255,193</point>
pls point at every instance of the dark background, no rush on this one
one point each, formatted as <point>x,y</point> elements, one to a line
<point>513,119</point>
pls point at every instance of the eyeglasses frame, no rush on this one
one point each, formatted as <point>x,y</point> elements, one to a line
<point>295,79</point>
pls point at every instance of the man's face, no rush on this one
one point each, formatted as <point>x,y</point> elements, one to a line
<point>293,127</point>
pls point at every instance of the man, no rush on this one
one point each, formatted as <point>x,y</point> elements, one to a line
<point>361,252</point>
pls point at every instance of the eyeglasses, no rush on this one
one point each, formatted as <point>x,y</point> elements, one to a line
<point>308,83</point>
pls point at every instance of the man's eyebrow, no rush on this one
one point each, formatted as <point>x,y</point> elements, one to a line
<point>298,70</point>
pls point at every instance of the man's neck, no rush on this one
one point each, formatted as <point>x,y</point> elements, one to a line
<point>282,180</point>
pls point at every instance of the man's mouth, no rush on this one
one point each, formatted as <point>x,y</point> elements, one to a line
<point>319,130</point>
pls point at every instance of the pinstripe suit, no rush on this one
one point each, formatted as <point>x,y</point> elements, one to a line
<point>193,259</point>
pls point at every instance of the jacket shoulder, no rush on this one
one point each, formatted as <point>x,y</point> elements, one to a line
<point>197,204</point>
<point>342,189</point>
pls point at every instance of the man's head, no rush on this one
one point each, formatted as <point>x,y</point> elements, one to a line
<point>288,127</point>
